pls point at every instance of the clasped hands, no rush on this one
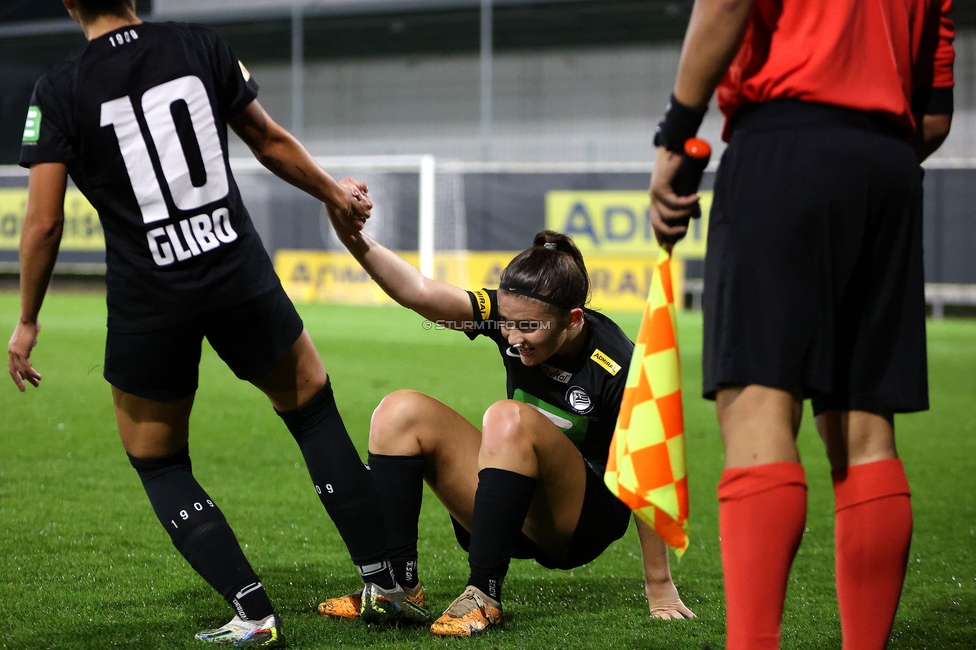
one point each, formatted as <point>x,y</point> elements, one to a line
<point>352,206</point>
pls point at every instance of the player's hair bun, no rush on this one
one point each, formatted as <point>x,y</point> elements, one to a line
<point>552,240</point>
<point>552,269</point>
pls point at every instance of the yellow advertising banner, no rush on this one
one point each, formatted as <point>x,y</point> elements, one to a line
<point>617,282</point>
<point>615,222</point>
<point>82,230</point>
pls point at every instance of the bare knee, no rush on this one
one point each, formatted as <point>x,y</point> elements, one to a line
<point>394,426</point>
<point>856,437</point>
<point>504,429</point>
<point>151,429</point>
<point>759,425</point>
<point>296,378</point>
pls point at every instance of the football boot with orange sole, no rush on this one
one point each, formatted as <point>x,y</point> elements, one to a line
<point>471,613</point>
<point>404,605</point>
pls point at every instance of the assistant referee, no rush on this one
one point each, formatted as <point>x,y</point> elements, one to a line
<point>813,279</point>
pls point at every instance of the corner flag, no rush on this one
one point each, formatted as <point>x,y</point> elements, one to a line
<point>646,468</point>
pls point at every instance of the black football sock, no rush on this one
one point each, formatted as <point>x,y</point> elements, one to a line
<point>379,573</point>
<point>500,507</point>
<point>399,481</point>
<point>251,602</point>
<point>341,480</point>
<point>201,533</point>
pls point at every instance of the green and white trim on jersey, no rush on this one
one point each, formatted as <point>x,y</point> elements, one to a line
<point>573,425</point>
<point>32,129</point>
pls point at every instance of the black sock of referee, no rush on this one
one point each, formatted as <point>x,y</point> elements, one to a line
<point>399,480</point>
<point>500,507</point>
<point>343,483</point>
<point>201,533</point>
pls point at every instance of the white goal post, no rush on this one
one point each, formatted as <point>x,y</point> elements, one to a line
<point>424,166</point>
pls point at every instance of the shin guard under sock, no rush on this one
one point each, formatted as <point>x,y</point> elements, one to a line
<point>399,481</point>
<point>341,480</point>
<point>762,512</point>
<point>500,507</point>
<point>872,534</point>
<point>201,533</point>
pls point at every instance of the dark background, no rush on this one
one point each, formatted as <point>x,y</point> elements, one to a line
<point>523,26</point>
<point>504,211</point>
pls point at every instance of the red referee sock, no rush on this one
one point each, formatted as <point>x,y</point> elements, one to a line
<point>762,512</point>
<point>872,534</point>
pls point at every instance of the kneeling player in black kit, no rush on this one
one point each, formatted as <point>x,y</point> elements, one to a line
<point>139,121</point>
<point>530,483</point>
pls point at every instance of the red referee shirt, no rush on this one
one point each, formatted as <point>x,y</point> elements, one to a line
<point>870,55</point>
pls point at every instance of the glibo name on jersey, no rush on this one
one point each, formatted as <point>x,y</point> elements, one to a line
<point>200,234</point>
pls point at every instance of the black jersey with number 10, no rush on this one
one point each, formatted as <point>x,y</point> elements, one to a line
<point>139,118</point>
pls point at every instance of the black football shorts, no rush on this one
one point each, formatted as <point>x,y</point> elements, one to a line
<point>813,276</point>
<point>602,521</point>
<point>163,364</point>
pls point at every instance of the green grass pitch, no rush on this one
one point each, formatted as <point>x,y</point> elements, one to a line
<point>85,564</point>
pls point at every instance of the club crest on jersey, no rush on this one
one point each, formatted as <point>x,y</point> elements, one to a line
<point>578,400</point>
<point>555,374</point>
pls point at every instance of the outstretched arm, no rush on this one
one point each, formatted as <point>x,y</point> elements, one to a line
<point>435,301</point>
<point>39,242</point>
<point>286,158</point>
<point>662,596</point>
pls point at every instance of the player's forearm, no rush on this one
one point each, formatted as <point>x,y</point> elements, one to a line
<point>654,552</point>
<point>39,244</point>
<point>663,599</point>
<point>41,235</point>
<point>714,33</point>
<point>282,154</point>
<point>396,276</point>
<point>285,157</point>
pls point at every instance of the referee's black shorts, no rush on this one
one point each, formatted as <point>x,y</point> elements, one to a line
<point>813,277</point>
<point>163,365</point>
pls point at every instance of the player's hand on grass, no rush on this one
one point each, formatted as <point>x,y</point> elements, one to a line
<point>664,602</point>
<point>18,355</point>
<point>670,213</point>
<point>352,207</point>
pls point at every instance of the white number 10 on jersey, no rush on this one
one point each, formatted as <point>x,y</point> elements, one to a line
<point>157,103</point>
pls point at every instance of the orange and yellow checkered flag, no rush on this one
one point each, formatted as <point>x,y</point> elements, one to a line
<point>646,468</point>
